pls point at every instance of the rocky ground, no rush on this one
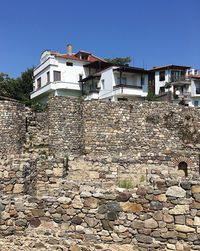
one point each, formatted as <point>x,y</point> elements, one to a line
<point>43,243</point>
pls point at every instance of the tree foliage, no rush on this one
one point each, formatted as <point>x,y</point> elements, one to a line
<point>18,88</point>
<point>120,61</point>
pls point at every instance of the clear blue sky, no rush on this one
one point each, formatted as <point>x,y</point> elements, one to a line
<point>153,32</point>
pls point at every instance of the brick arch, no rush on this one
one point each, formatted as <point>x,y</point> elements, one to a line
<point>177,160</point>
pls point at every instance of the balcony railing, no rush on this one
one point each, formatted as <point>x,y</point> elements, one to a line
<point>179,79</point>
<point>184,95</point>
<point>127,86</point>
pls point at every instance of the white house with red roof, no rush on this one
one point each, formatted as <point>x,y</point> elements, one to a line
<point>84,74</point>
<point>60,74</point>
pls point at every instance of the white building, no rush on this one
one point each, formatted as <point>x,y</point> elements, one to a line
<point>77,74</point>
<point>114,82</point>
<point>59,74</point>
<point>183,80</point>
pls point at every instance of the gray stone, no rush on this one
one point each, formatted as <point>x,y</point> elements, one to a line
<point>144,238</point>
<point>2,207</point>
<point>176,191</point>
<point>180,219</point>
<point>179,209</point>
<point>184,229</point>
<point>150,223</point>
<point>156,205</point>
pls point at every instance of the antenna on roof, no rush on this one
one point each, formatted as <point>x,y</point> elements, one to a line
<point>133,61</point>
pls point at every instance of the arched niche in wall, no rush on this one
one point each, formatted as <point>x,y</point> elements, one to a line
<point>183,166</point>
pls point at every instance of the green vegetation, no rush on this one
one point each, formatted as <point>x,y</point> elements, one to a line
<point>168,85</point>
<point>151,96</point>
<point>19,88</point>
<point>120,61</point>
<point>126,183</point>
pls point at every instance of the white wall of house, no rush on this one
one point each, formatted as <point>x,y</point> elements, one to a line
<point>195,84</point>
<point>70,74</point>
<point>106,83</point>
<point>159,83</point>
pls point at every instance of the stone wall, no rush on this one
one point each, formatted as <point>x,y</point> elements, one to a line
<point>146,132</point>
<point>12,127</point>
<point>164,217</point>
<point>65,126</point>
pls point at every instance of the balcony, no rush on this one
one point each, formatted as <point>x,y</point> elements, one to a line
<point>59,85</point>
<point>179,81</point>
<point>185,95</point>
<point>129,90</point>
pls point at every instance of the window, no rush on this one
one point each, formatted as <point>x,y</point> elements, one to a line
<point>121,81</point>
<point>48,77</point>
<point>102,84</point>
<point>80,77</point>
<point>162,76</point>
<point>38,83</point>
<point>142,80</point>
<point>69,64</point>
<point>196,103</point>
<point>57,75</point>
<point>197,88</point>
<point>162,90</point>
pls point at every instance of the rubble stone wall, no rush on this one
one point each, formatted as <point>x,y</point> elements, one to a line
<point>164,217</point>
<point>147,132</point>
<point>12,127</point>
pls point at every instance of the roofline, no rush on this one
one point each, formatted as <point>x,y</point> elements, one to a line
<point>171,66</point>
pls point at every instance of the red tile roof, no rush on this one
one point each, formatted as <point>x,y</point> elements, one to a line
<point>75,56</point>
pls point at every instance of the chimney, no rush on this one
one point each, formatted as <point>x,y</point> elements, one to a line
<point>69,49</point>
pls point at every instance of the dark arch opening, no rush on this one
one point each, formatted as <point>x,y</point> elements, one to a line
<point>184,167</point>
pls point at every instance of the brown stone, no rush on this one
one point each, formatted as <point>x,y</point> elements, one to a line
<point>160,197</point>
<point>34,222</point>
<point>131,207</point>
<point>141,191</point>
<point>196,189</point>
<point>77,220</point>
<point>150,223</point>
<point>91,202</point>
<point>168,218</point>
<point>123,197</point>
<point>18,188</point>
<point>37,212</point>
<point>195,205</point>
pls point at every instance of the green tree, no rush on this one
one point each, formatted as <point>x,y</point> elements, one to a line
<point>120,61</point>
<point>18,88</point>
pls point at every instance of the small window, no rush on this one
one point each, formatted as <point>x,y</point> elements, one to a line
<point>102,84</point>
<point>162,76</point>
<point>142,80</point>
<point>69,64</point>
<point>80,77</point>
<point>57,75</point>
<point>38,83</point>
<point>162,89</point>
<point>196,103</point>
<point>48,77</point>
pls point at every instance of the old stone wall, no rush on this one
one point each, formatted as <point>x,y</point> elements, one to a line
<point>12,127</point>
<point>65,126</point>
<point>164,217</point>
<point>146,132</point>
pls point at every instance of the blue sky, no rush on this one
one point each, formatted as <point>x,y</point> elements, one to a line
<point>152,32</point>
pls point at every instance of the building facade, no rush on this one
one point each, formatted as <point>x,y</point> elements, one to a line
<point>182,81</point>
<point>83,74</point>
